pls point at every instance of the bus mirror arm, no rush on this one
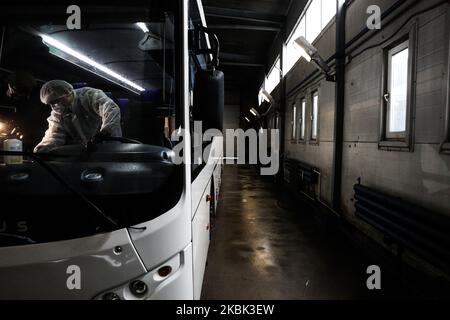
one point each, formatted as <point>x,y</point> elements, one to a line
<point>196,45</point>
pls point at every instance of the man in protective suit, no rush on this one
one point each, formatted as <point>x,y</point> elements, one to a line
<point>77,116</point>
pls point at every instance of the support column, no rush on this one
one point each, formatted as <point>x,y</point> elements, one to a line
<point>339,104</point>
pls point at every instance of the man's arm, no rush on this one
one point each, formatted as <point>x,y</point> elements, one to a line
<point>108,111</point>
<point>55,135</point>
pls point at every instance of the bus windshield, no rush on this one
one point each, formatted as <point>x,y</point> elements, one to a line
<point>93,93</point>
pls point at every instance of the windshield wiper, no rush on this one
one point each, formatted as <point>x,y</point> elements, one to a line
<point>55,174</point>
<point>17,237</point>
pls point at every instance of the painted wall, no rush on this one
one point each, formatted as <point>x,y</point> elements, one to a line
<point>423,175</point>
<point>318,154</point>
<point>420,176</point>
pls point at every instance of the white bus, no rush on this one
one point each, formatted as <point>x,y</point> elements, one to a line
<point>111,217</point>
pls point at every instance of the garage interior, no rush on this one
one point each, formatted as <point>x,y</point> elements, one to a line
<point>325,176</point>
<point>274,239</point>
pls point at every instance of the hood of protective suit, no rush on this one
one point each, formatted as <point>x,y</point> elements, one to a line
<point>55,89</point>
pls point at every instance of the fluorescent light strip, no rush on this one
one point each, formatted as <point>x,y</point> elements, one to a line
<point>253,112</point>
<point>143,26</point>
<point>248,120</point>
<point>55,43</point>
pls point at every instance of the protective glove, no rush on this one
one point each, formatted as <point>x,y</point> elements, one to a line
<point>41,149</point>
<point>101,136</point>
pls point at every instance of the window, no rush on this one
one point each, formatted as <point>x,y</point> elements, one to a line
<point>292,54</point>
<point>302,122</point>
<point>396,96</point>
<point>445,146</point>
<point>313,20</point>
<point>294,122</point>
<point>328,11</point>
<point>314,115</point>
<point>398,92</point>
<point>273,79</point>
<point>260,96</point>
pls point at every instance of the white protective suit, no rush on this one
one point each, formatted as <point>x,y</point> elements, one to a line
<point>92,111</point>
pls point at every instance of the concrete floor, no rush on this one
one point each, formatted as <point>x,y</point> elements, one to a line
<point>265,245</point>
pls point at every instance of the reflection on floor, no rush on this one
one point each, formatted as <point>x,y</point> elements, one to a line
<point>266,245</point>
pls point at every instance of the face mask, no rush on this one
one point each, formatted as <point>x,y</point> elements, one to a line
<point>58,107</point>
<point>61,106</point>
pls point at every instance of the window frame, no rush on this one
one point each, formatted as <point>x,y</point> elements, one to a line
<point>323,23</point>
<point>445,145</point>
<point>301,119</point>
<point>276,120</point>
<point>390,135</point>
<point>314,140</point>
<point>391,140</point>
<point>315,20</point>
<point>274,68</point>
<point>294,123</point>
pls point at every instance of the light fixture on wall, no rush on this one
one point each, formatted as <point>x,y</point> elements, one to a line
<point>310,53</point>
<point>247,119</point>
<point>254,112</point>
<point>267,97</point>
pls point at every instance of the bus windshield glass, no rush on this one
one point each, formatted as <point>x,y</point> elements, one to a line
<point>92,92</point>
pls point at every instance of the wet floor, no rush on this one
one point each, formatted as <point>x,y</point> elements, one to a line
<point>266,245</point>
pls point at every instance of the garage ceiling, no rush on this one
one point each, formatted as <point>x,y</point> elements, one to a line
<point>246,30</point>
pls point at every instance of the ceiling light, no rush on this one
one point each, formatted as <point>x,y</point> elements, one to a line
<point>58,45</point>
<point>247,119</point>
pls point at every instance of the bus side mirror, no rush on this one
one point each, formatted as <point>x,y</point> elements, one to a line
<point>198,47</point>
<point>209,99</point>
